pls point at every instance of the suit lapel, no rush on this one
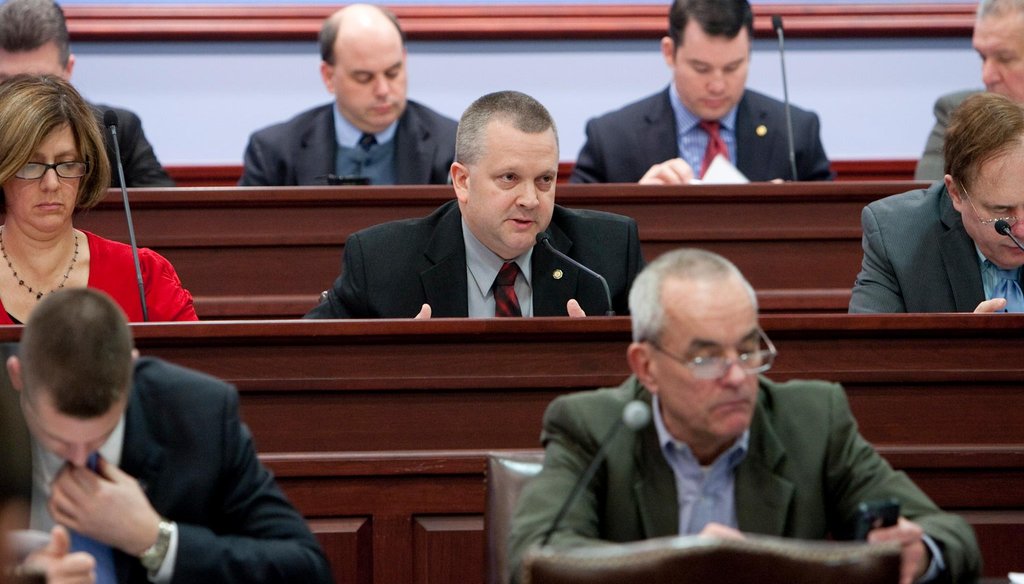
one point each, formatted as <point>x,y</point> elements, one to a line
<point>660,143</point>
<point>311,161</point>
<point>655,489</point>
<point>959,257</point>
<point>141,457</point>
<point>763,498</point>
<point>754,156</point>
<point>444,281</point>
<point>411,166</point>
<point>554,279</point>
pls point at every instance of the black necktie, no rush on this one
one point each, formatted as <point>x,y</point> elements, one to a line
<point>367,141</point>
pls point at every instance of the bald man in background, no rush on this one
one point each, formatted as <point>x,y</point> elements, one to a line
<point>371,134</point>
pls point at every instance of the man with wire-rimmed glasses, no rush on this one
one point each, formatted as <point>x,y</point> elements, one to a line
<point>951,247</point>
<point>730,452</point>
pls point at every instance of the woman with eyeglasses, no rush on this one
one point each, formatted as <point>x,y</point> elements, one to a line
<point>53,163</point>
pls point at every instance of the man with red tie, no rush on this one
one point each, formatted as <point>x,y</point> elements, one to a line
<point>672,136</point>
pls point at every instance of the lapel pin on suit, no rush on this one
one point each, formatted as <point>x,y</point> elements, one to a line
<point>761,131</point>
<point>557,274</point>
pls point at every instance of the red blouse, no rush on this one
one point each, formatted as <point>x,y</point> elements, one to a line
<point>112,270</point>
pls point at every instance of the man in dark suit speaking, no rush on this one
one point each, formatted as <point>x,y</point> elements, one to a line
<point>371,131</point>
<point>477,256</point>
<point>145,463</point>
<point>672,136</point>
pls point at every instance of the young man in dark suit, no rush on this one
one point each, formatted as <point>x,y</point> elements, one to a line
<point>672,136</point>
<point>147,464</point>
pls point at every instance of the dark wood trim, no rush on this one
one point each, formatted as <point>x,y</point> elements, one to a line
<point>226,175</point>
<point>489,22</point>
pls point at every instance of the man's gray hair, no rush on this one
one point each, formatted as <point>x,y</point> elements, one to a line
<point>999,8</point>
<point>645,307</point>
<point>26,25</point>
<point>523,112</point>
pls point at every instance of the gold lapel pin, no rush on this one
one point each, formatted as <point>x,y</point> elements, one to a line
<point>761,130</point>
<point>557,274</point>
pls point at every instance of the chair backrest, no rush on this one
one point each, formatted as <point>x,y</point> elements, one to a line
<point>507,472</point>
<point>696,559</point>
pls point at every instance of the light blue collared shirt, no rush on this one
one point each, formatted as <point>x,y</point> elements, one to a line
<point>692,141</point>
<point>348,135</point>
<point>705,493</point>
<point>482,266</point>
<point>990,277</point>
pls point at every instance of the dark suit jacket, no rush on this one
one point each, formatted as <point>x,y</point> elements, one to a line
<point>197,464</point>
<point>932,165</point>
<point>917,256</point>
<point>623,145</point>
<point>390,270</point>
<point>806,471</point>
<point>302,150</point>
<point>141,168</point>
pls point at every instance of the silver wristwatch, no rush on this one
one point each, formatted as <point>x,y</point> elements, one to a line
<point>154,556</point>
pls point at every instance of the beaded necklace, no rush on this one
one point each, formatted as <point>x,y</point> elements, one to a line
<point>21,282</point>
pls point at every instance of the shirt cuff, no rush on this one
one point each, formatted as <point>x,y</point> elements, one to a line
<point>938,563</point>
<point>166,571</point>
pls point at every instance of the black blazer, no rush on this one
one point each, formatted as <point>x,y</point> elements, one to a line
<point>195,459</point>
<point>141,168</point>
<point>302,151</point>
<point>391,270</point>
<point>623,145</point>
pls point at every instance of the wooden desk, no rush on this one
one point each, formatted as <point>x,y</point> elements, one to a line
<point>378,429</point>
<point>269,252</point>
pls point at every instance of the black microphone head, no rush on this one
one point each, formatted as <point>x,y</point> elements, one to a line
<point>1002,227</point>
<point>109,118</point>
<point>542,237</point>
<point>776,23</point>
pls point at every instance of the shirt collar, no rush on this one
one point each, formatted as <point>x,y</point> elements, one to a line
<point>484,264</point>
<point>686,120</point>
<point>348,135</point>
<point>733,456</point>
<point>46,464</point>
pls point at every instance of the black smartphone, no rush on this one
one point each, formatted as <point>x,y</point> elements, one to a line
<point>875,514</point>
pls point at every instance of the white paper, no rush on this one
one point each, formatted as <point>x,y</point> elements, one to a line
<point>722,172</point>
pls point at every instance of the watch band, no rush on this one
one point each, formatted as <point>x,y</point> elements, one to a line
<point>154,555</point>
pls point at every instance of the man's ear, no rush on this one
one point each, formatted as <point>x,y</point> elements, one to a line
<point>14,372</point>
<point>460,180</point>
<point>638,355</point>
<point>668,51</point>
<point>953,188</point>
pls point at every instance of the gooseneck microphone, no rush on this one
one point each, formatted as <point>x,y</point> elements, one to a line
<point>777,27</point>
<point>1003,228</point>
<point>545,239</point>
<point>110,121</point>
<point>635,416</point>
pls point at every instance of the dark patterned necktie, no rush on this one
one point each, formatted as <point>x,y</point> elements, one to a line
<point>506,303</point>
<point>105,572</point>
<point>716,145</point>
<point>367,141</point>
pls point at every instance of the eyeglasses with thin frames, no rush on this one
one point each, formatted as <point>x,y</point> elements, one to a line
<point>70,169</point>
<point>717,366</point>
<point>1011,221</point>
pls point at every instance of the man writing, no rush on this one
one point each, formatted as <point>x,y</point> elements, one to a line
<point>706,111</point>
<point>477,255</point>
<point>729,452</point>
<point>146,464</point>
